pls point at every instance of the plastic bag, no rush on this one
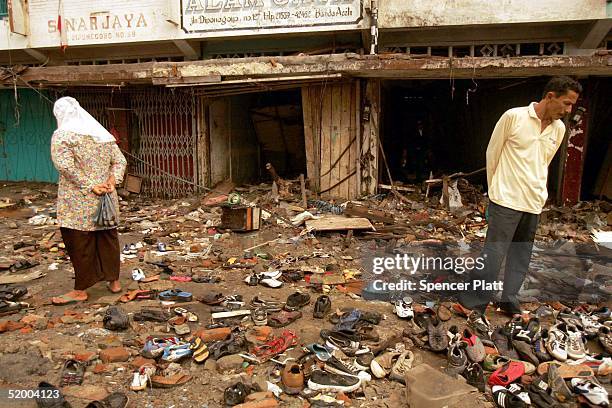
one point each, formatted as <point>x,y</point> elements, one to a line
<point>106,215</point>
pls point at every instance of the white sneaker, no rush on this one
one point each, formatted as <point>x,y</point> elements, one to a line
<point>575,344</point>
<point>142,377</point>
<point>401,366</point>
<point>138,274</point>
<point>590,324</point>
<point>556,344</point>
<point>403,308</point>
<point>593,392</point>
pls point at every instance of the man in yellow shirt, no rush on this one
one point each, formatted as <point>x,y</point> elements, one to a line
<point>522,145</point>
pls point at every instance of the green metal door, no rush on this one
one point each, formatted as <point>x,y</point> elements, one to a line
<point>26,126</point>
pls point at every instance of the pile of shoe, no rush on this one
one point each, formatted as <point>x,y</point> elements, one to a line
<point>527,365</point>
<point>350,354</point>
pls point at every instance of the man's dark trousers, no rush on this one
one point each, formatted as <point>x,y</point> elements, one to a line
<point>510,234</point>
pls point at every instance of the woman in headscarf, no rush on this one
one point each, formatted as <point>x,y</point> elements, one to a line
<point>90,165</point>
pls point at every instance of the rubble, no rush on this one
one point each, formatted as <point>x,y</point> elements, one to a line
<point>314,246</point>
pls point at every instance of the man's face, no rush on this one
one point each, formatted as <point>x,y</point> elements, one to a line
<point>559,106</point>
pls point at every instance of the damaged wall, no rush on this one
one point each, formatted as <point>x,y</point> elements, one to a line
<point>425,13</point>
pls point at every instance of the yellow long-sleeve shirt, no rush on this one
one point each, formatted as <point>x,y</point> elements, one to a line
<point>518,156</point>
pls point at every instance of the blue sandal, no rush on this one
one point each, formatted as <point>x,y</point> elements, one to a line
<point>176,295</point>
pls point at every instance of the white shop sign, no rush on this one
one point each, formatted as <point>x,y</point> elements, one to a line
<point>224,15</point>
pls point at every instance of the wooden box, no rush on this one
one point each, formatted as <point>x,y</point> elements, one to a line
<point>132,183</point>
<point>240,218</point>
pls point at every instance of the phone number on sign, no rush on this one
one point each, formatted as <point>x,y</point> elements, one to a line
<point>30,394</point>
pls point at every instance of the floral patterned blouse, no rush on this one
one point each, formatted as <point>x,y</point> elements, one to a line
<point>83,163</point>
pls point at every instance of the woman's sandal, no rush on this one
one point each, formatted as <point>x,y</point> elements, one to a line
<point>160,381</point>
<point>283,318</point>
<point>200,350</point>
<point>275,346</point>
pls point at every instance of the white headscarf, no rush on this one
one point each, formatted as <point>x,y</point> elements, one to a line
<point>72,118</point>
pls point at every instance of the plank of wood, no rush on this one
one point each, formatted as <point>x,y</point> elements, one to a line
<point>335,148</point>
<point>326,116</point>
<point>203,143</point>
<point>309,141</point>
<point>357,210</point>
<point>317,129</point>
<point>345,137</point>
<point>398,188</point>
<point>303,189</point>
<point>355,182</point>
<point>338,223</point>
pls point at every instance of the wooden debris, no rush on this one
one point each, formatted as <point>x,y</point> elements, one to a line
<point>219,193</point>
<point>357,210</point>
<point>337,223</point>
<point>398,188</point>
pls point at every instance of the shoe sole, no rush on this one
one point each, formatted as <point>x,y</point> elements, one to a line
<point>325,387</point>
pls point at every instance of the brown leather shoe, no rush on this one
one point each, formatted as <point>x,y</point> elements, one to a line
<point>293,378</point>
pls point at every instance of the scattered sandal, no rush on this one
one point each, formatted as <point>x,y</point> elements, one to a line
<point>115,319</point>
<point>275,346</point>
<point>322,307</point>
<point>72,373</point>
<point>12,293</point>
<point>260,316</point>
<point>175,295</point>
<point>296,301</point>
<point>114,400</point>
<point>7,307</point>
<point>200,350</point>
<point>283,318</point>
<point>69,298</point>
<point>151,315</point>
<point>50,396</point>
<point>160,381</point>
<point>137,294</point>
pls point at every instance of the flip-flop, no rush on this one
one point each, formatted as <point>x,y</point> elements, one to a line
<point>12,293</point>
<point>7,307</point>
<point>130,295</point>
<point>159,381</point>
<point>150,279</point>
<point>200,350</point>
<point>283,318</point>
<point>176,295</point>
<point>66,299</point>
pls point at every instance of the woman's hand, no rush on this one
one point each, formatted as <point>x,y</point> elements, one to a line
<point>99,189</point>
<point>110,184</point>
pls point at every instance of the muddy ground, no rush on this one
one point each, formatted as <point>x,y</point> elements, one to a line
<point>28,356</point>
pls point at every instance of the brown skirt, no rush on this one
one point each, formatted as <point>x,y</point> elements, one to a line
<point>94,255</point>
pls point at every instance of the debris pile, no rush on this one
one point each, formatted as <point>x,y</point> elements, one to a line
<point>258,297</point>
